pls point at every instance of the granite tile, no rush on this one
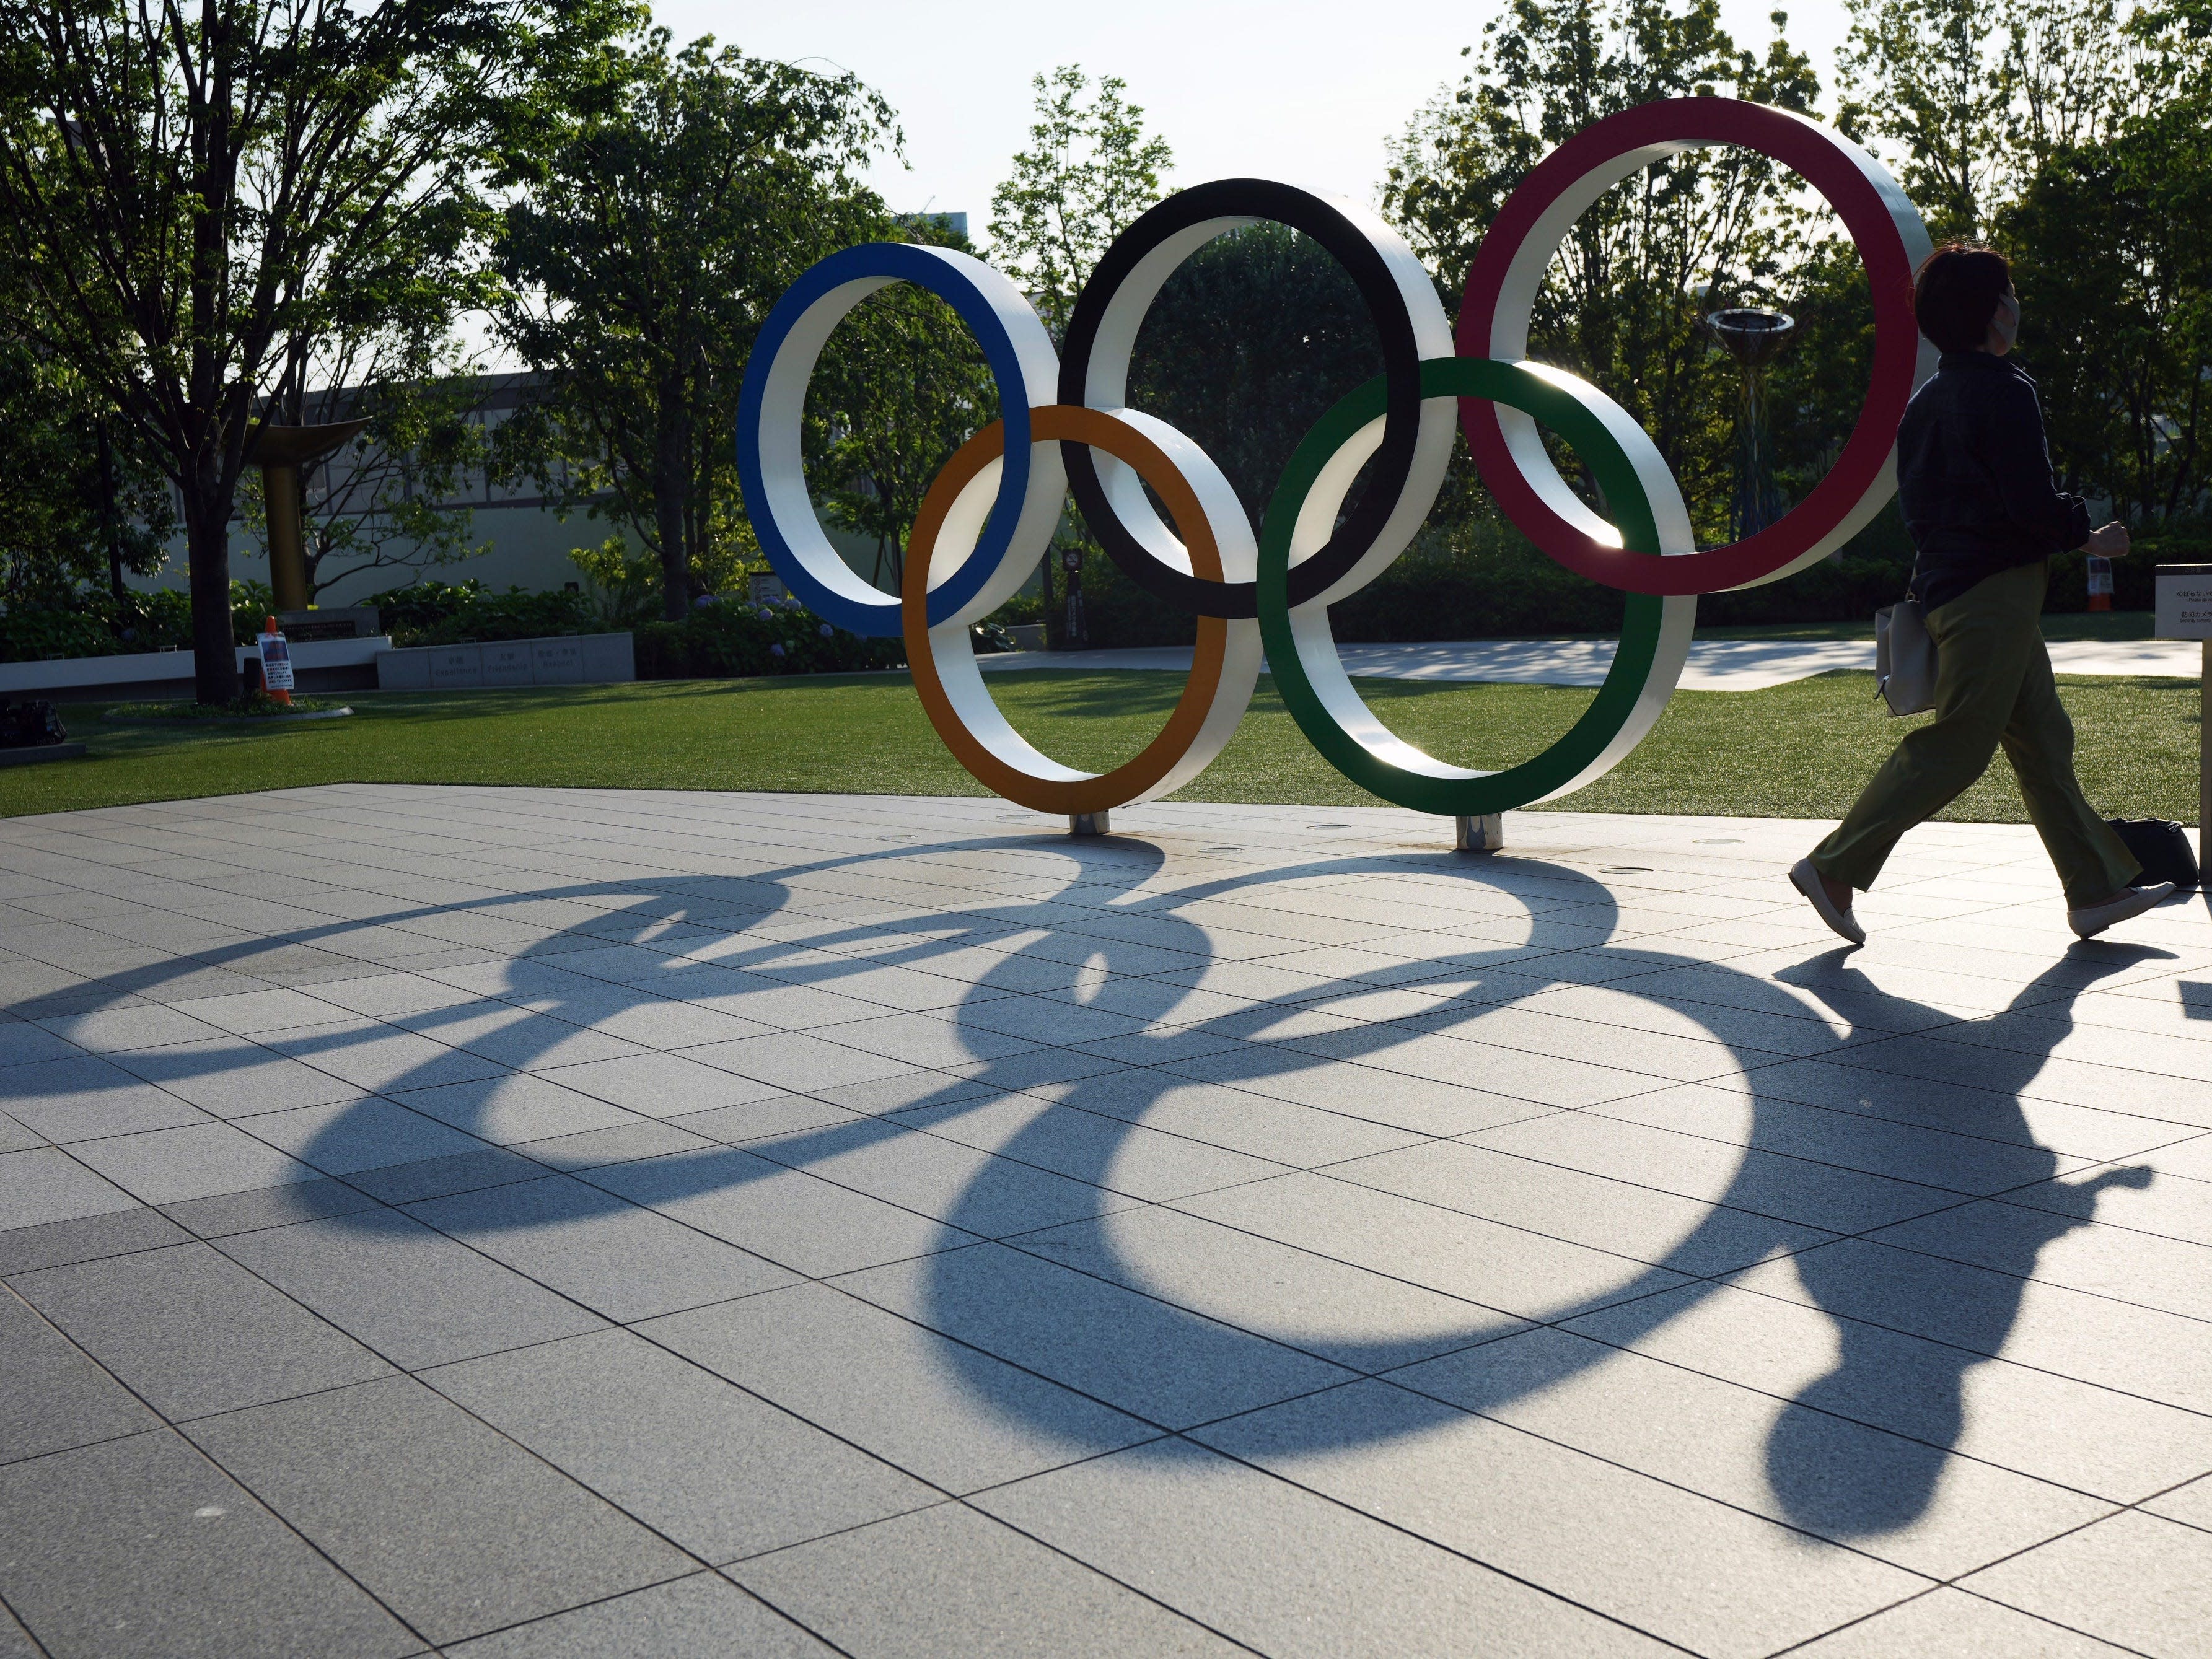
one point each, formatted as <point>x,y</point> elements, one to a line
<point>948,1580</point>
<point>953,1415</point>
<point>412,1295</point>
<point>1286,1572</point>
<point>384,1478</point>
<point>619,1260</point>
<point>1138,1355</point>
<point>52,1397</point>
<point>721,1473</point>
<point>190,1332</point>
<point>141,1547</point>
<point>702,1617</point>
<point>56,1244</point>
<point>47,1185</point>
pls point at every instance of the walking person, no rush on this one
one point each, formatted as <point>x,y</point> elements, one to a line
<point>1974,481</point>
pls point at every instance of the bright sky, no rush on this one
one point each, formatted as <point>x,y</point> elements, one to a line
<point>1307,91</point>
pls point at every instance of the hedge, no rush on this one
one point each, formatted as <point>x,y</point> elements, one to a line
<point>96,624</point>
<point>1494,584</point>
<point>731,638</point>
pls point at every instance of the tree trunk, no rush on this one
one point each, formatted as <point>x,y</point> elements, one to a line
<point>207,506</point>
<point>111,520</point>
<point>670,474</point>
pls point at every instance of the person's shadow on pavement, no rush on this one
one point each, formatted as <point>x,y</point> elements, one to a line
<point>1967,1310</point>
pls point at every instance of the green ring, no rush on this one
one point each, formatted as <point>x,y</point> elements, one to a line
<point>1545,774</point>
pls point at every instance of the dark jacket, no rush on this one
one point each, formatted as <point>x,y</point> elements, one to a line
<point>1973,477</point>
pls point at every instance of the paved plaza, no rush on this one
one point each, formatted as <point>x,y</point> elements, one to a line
<point>502,1222</point>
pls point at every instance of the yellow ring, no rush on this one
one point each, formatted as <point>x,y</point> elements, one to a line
<point>1226,660</point>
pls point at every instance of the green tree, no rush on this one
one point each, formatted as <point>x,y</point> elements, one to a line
<point>671,199</point>
<point>1968,99</point>
<point>903,385</point>
<point>79,505</point>
<point>1624,304</point>
<point>1932,78</point>
<point>392,502</point>
<point>1248,345</point>
<point>2076,139</point>
<point>2111,241</point>
<point>192,186</point>
<point>1089,171</point>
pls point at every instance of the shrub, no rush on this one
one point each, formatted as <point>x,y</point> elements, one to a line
<point>731,639</point>
<point>96,624</point>
<point>1483,580</point>
<point>464,613</point>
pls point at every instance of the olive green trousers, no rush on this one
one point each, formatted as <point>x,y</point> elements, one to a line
<point>1993,686</point>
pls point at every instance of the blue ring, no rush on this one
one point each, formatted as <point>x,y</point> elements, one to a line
<point>902,262</point>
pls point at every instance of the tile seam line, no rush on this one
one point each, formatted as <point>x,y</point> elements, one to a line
<point>268,1504</point>
<point>715,1573</point>
<point>2114,1505</point>
<point>417,1376</point>
<point>1868,1617</point>
<point>1979,1354</point>
<point>1723,1278</point>
<point>1406,1530</point>
<point>2189,1131</point>
<point>1749,1072</point>
<point>164,1427</point>
<point>23,1625</point>
<point>1956,1581</point>
<point>1712,1206</point>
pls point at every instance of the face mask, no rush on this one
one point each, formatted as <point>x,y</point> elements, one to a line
<point>2006,322</point>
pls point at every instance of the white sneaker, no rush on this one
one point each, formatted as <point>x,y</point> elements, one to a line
<point>2092,920</point>
<point>1807,880</point>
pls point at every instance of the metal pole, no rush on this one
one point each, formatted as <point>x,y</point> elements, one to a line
<point>1485,834</point>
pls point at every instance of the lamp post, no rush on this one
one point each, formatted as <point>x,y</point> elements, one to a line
<point>280,453</point>
<point>1755,339</point>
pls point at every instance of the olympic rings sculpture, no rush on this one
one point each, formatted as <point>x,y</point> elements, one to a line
<point>989,516</point>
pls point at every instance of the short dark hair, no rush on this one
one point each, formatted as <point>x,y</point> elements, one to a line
<point>1955,294</point>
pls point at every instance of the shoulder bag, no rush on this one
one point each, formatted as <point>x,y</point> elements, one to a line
<point>1904,658</point>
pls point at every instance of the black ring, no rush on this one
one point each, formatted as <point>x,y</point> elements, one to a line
<point>1346,243</point>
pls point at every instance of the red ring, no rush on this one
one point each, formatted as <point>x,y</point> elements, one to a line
<point>1851,181</point>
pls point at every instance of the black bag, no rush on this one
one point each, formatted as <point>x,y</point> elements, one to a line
<point>2161,847</point>
<point>30,725</point>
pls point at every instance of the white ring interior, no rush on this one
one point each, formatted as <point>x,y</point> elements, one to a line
<point>1106,385</point>
<point>783,468</point>
<point>1316,641</point>
<point>1524,280</point>
<point>953,647</point>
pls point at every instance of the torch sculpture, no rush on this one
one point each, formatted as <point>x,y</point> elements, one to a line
<point>1755,339</point>
<point>282,452</point>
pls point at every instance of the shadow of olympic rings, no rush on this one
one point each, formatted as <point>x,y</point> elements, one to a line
<point>1761,1215</point>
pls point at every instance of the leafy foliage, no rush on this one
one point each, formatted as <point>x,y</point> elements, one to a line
<point>78,502</point>
<point>1624,304</point>
<point>904,384</point>
<point>442,613</point>
<point>102,623</point>
<point>1089,171</point>
<point>731,639</point>
<point>1249,343</point>
<point>665,203</point>
<point>387,502</point>
<point>193,192</point>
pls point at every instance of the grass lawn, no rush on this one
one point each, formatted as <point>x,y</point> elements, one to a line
<point>1796,750</point>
